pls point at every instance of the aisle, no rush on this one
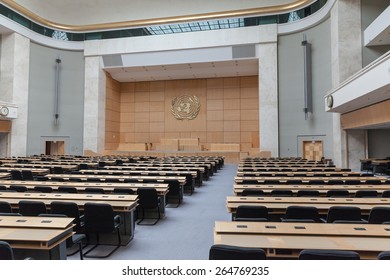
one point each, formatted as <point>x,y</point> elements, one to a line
<point>186,233</point>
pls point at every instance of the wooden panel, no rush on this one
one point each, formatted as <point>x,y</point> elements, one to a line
<point>312,150</point>
<point>141,112</point>
<point>5,126</point>
<point>224,147</point>
<point>372,115</point>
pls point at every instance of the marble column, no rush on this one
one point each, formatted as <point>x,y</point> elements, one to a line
<point>94,105</point>
<point>14,86</point>
<point>268,98</point>
<point>346,48</point>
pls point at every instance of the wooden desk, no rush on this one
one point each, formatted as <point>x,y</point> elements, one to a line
<point>124,205</point>
<point>260,179</point>
<point>4,175</point>
<point>291,169</point>
<point>286,240</point>
<point>294,174</point>
<point>323,189</point>
<point>278,205</point>
<point>35,171</point>
<point>67,167</point>
<point>37,237</point>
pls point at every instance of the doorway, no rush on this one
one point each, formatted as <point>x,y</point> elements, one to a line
<point>54,148</point>
<point>312,150</point>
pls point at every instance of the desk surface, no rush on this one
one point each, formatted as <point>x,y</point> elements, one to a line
<point>307,179</point>
<point>41,233</point>
<point>142,172</point>
<point>367,240</point>
<point>33,170</point>
<point>4,175</point>
<point>273,174</point>
<point>69,196</point>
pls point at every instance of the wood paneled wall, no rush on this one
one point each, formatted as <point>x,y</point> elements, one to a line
<point>229,111</point>
<point>113,99</point>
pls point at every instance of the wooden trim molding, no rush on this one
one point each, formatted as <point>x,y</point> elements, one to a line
<point>277,9</point>
<point>376,114</point>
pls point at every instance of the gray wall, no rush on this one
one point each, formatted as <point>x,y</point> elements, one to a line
<point>378,143</point>
<point>371,9</point>
<point>41,107</point>
<point>293,128</point>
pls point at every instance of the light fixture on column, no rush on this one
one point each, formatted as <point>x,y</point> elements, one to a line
<point>307,77</point>
<point>57,92</point>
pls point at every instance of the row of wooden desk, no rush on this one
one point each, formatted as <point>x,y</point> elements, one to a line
<point>307,179</point>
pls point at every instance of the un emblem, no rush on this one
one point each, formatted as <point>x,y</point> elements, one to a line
<point>185,107</point>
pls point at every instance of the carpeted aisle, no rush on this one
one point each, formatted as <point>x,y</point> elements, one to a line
<point>186,232</point>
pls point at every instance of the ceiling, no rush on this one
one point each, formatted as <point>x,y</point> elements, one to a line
<point>219,69</point>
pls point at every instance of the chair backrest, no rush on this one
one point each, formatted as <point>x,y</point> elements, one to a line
<point>83,166</point>
<point>227,252</point>
<point>335,182</point>
<point>5,207</point>
<point>58,170</point>
<point>27,175</point>
<point>67,189</point>
<point>18,188</point>
<point>309,193</point>
<point>281,193</point>
<point>252,192</point>
<point>294,182</point>
<point>6,252</point>
<point>385,255</point>
<point>373,182</point>
<point>3,188</point>
<point>271,182</point>
<point>251,212</point>
<point>16,175</point>
<point>123,191</point>
<point>70,209</point>
<point>98,218</point>
<point>352,182</point>
<point>316,182</point>
<point>94,190</point>
<point>343,213</point>
<point>249,182</point>
<point>31,208</point>
<point>147,198</point>
<point>328,255</point>
<point>337,193</point>
<point>379,215</point>
<point>386,193</point>
<point>173,187</point>
<point>302,212</point>
<point>366,193</point>
<point>43,189</point>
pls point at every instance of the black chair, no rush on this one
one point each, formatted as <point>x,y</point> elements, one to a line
<point>384,255</point>
<point>294,182</point>
<point>70,209</point>
<point>94,190</point>
<point>316,182</point>
<point>344,214</point>
<point>83,166</point>
<point>5,207</point>
<point>308,193</point>
<point>131,180</point>
<point>373,182</point>
<point>43,189</point>
<point>174,191</point>
<point>94,180</point>
<point>328,255</point>
<point>271,182</point>
<point>227,252</point>
<point>251,213</point>
<point>352,182</point>
<point>75,239</point>
<point>32,208</point>
<point>386,193</point>
<point>337,193</point>
<point>16,175</point>
<point>366,193</point>
<point>3,188</point>
<point>379,215</point>
<point>18,188</point>
<point>335,182</point>
<point>57,170</point>
<point>27,175</point>
<point>281,193</point>
<point>252,192</point>
<point>148,200</point>
<point>99,219</point>
<point>301,214</point>
<point>6,252</point>
<point>123,191</point>
<point>67,189</point>
<point>249,182</point>
<point>111,180</point>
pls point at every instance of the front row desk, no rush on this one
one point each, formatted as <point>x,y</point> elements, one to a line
<point>36,237</point>
<point>286,240</point>
<point>44,234</point>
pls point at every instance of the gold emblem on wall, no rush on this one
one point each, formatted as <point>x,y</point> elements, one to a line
<point>185,107</point>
